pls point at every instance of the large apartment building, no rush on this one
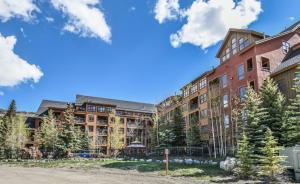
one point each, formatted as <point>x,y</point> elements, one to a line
<point>96,114</point>
<point>247,58</point>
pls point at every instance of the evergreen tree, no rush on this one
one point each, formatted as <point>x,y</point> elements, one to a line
<point>193,135</point>
<point>177,128</point>
<point>154,131</point>
<point>292,123</point>
<point>273,102</point>
<point>244,154</point>
<point>85,141</point>
<point>68,139</point>
<point>253,115</point>
<point>48,133</point>
<point>7,122</point>
<point>166,134</point>
<point>270,160</point>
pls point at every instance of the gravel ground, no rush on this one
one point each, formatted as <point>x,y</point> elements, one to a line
<point>20,175</point>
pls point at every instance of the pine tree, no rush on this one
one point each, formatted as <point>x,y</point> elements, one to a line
<point>85,141</point>
<point>165,134</point>
<point>244,154</point>
<point>292,123</point>
<point>193,135</point>
<point>253,115</point>
<point>271,162</point>
<point>68,139</point>
<point>178,128</point>
<point>273,102</point>
<point>48,133</point>
<point>7,121</point>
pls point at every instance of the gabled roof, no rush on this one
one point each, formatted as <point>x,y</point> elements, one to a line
<point>120,104</point>
<point>291,60</point>
<point>50,104</point>
<point>286,31</point>
<point>233,30</point>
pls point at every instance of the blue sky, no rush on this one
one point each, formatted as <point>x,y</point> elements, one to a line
<point>137,62</point>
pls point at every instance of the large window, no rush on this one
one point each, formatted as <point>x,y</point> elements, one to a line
<point>233,46</point>
<point>241,72</point>
<point>203,113</point>
<point>109,109</point>
<point>243,43</point>
<point>242,92</point>
<point>204,129</point>
<point>225,101</point>
<point>285,47</point>
<point>194,88</point>
<point>203,98</point>
<point>101,109</point>
<point>202,83</point>
<point>227,53</point>
<point>91,108</point>
<point>224,81</point>
<point>297,79</point>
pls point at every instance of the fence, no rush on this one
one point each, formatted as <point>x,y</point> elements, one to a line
<point>181,152</point>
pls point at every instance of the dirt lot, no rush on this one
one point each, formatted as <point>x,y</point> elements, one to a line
<point>20,175</point>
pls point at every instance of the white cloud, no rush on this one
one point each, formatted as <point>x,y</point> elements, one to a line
<point>17,8</point>
<point>166,10</point>
<point>132,8</point>
<point>1,93</point>
<point>14,70</point>
<point>209,21</point>
<point>291,18</point>
<point>50,19</point>
<point>84,18</point>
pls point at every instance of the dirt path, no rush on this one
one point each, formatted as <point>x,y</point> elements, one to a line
<point>19,175</point>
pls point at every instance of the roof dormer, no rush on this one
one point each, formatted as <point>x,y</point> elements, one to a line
<point>235,41</point>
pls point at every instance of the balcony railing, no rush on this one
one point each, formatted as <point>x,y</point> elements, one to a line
<point>102,133</point>
<point>102,122</point>
<point>79,120</point>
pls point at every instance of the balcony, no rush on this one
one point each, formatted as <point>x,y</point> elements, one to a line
<point>134,124</point>
<point>79,120</point>
<point>102,133</point>
<point>102,122</point>
<point>193,107</point>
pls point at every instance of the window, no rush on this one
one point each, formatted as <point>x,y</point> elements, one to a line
<point>101,109</point>
<point>109,109</point>
<point>224,81</point>
<point>186,93</point>
<point>252,85</point>
<point>243,43</point>
<point>241,72</point>
<point>242,92</point>
<point>203,113</point>
<point>202,83</point>
<point>297,79</point>
<point>265,64</point>
<point>91,108</point>
<point>227,53</point>
<point>223,58</point>
<point>91,118</point>
<point>91,128</point>
<point>285,47</point>
<point>194,88</point>
<point>233,46</point>
<point>249,65</point>
<point>204,129</point>
<point>226,121</point>
<point>225,101</point>
<point>184,107</point>
<point>203,98</point>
